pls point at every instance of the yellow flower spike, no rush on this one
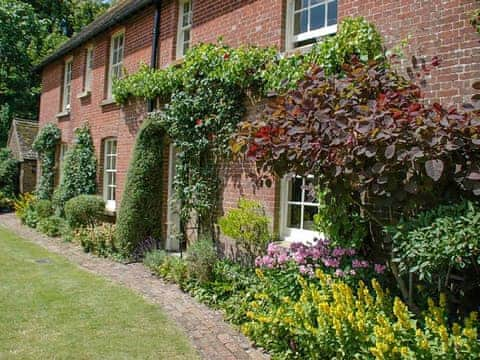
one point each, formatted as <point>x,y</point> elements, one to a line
<point>456,330</point>
<point>260,274</point>
<point>443,301</point>
<point>470,333</point>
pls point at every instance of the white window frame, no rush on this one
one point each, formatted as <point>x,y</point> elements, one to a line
<point>110,202</point>
<point>292,39</point>
<point>61,161</point>
<point>183,28</point>
<point>115,69</point>
<point>294,234</point>
<point>88,70</point>
<point>67,85</point>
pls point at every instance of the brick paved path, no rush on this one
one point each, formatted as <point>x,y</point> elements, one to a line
<point>209,333</point>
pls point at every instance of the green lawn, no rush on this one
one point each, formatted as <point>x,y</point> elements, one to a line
<point>54,310</point>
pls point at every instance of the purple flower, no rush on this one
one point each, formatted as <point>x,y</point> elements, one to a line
<point>339,273</point>
<point>379,268</point>
<point>282,259</point>
<point>272,249</point>
<point>356,264</point>
<point>331,262</point>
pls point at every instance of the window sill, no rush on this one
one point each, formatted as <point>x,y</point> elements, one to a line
<point>63,114</point>
<point>84,94</point>
<point>107,102</point>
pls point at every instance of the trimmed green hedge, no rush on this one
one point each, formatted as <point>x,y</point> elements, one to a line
<point>140,213</point>
<point>8,173</point>
<point>84,210</point>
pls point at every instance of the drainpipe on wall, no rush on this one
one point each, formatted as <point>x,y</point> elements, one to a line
<point>155,38</point>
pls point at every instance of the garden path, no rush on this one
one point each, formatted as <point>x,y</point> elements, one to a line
<point>209,333</point>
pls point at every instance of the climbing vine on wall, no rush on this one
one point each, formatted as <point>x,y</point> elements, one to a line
<point>79,169</point>
<point>45,145</point>
<point>205,98</point>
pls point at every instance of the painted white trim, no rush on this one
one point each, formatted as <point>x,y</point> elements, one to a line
<point>118,34</point>
<point>181,29</point>
<point>293,234</point>
<point>173,218</point>
<point>88,74</point>
<point>291,39</point>
<point>67,85</point>
<point>111,204</point>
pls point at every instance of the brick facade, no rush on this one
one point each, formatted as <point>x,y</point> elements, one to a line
<point>434,27</point>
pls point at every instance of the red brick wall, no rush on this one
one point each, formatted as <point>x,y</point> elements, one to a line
<point>436,28</point>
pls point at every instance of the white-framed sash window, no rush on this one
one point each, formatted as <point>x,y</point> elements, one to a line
<point>67,85</point>
<point>298,208</point>
<point>117,47</point>
<point>110,173</point>
<point>309,20</point>
<point>88,70</point>
<point>184,27</point>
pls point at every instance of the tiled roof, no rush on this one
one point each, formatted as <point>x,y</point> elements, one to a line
<point>26,132</point>
<point>111,17</point>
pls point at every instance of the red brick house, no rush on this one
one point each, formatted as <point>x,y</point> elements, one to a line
<point>77,78</point>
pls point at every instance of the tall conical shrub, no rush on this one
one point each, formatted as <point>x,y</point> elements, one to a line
<point>141,207</point>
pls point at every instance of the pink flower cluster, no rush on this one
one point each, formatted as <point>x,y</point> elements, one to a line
<point>341,261</point>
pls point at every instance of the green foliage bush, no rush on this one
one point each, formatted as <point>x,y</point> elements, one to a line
<point>44,209</point>
<point>154,259</point>
<point>201,259</point>
<point>51,226</point>
<point>6,203</point>
<point>248,226</point>
<point>8,173</point>
<point>84,210</point>
<point>340,220</point>
<point>99,240</point>
<point>140,211</point>
<point>174,269</point>
<point>25,209</point>
<point>438,240</point>
<point>79,170</point>
<point>46,144</point>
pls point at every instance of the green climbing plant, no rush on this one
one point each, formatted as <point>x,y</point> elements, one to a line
<point>45,145</point>
<point>79,170</point>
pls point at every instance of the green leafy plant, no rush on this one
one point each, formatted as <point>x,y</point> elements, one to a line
<point>139,212</point>
<point>440,247</point>
<point>153,259</point>
<point>340,220</point>
<point>248,226</point>
<point>201,259</point>
<point>44,209</point>
<point>6,203</point>
<point>25,209</point>
<point>46,144</point>
<point>8,173</point>
<point>51,226</point>
<point>84,210</point>
<point>174,269</point>
<point>98,239</point>
<point>79,170</point>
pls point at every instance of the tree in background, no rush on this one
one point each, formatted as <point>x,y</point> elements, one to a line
<point>29,31</point>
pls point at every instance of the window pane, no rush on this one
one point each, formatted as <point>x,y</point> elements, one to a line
<point>113,147</point>
<point>186,36</point>
<point>113,163</point>
<point>317,17</point>
<point>301,22</point>
<point>295,190</point>
<point>332,13</point>
<point>186,46</point>
<point>294,216</point>
<point>310,191</point>
<point>308,214</point>
<point>300,4</point>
